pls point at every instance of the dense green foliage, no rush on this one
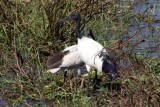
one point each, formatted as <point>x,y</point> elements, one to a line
<point>28,33</point>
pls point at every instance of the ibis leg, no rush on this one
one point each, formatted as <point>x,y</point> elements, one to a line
<point>65,74</point>
<point>88,90</point>
<point>95,80</point>
<point>79,72</point>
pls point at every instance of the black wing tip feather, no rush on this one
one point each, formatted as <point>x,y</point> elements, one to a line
<point>56,60</point>
<point>55,65</point>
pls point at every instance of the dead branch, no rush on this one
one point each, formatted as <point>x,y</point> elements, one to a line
<point>119,45</point>
<point>16,58</point>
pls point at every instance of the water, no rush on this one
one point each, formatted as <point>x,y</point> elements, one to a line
<point>151,39</point>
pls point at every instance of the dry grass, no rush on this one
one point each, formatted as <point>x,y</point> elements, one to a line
<point>28,34</point>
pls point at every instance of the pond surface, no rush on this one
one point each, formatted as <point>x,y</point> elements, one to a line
<point>152,40</point>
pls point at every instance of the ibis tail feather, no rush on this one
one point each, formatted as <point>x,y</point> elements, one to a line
<point>53,70</point>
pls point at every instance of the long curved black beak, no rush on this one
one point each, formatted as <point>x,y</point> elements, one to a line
<point>65,19</point>
<point>61,21</point>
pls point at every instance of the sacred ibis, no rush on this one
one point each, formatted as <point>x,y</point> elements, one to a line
<point>92,53</point>
<point>69,58</point>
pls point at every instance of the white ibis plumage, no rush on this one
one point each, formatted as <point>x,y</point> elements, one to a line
<point>92,53</point>
<point>69,58</point>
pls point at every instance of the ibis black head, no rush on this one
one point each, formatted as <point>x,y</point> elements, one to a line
<point>77,18</point>
<point>74,16</point>
<point>109,67</point>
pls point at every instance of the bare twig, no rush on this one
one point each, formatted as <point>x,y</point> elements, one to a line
<point>133,47</point>
<point>129,39</point>
<point>16,57</point>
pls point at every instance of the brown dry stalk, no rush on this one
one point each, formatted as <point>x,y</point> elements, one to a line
<point>2,68</point>
<point>134,46</point>
<point>17,61</point>
<point>16,58</point>
<point>119,45</point>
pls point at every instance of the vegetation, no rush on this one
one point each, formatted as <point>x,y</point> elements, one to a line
<point>129,31</point>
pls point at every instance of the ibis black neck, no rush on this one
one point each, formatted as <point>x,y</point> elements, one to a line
<point>78,31</point>
<point>90,34</point>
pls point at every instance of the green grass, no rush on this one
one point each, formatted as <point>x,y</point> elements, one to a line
<point>28,30</point>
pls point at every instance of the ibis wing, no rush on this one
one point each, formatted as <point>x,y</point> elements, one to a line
<point>53,70</point>
<point>54,65</point>
<point>56,60</point>
<point>71,48</point>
